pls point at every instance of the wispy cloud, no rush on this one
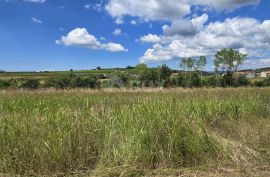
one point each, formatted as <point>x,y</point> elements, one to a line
<point>36,1</point>
<point>117,32</point>
<point>35,20</point>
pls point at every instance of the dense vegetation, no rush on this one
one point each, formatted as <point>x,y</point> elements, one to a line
<point>227,62</point>
<point>133,133</point>
<point>140,76</point>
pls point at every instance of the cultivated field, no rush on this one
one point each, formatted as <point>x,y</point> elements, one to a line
<point>203,132</point>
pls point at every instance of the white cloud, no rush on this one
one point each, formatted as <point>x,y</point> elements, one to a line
<point>119,20</point>
<point>80,37</point>
<point>180,27</point>
<point>87,6</point>
<point>98,6</point>
<point>35,20</point>
<point>150,38</point>
<point>228,5</point>
<point>114,47</point>
<point>102,38</point>
<point>35,1</point>
<point>149,9</point>
<point>117,32</point>
<point>133,22</point>
<point>199,21</point>
<point>245,34</point>
<point>260,63</point>
<point>169,10</point>
<point>176,49</point>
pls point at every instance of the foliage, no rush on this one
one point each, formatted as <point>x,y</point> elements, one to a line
<point>187,64</point>
<point>4,84</point>
<point>241,80</point>
<point>195,80</point>
<point>263,83</point>
<point>72,81</point>
<point>229,60</point>
<point>164,72</point>
<point>213,81</point>
<point>130,67</point>
<point>149,78</point>
<point>30,84</point>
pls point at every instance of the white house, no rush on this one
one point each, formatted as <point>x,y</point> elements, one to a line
<point>265,74</point>
<point>248,74</point>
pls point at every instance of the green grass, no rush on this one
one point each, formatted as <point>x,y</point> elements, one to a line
<point>47,75</point>
<point>109,133</point>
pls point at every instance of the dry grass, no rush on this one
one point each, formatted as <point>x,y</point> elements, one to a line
<point>142,132</point>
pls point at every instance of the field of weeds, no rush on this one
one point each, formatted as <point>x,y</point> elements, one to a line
<point>203,132</point>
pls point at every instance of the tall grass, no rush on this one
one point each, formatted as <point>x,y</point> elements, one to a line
<point>58,132</point>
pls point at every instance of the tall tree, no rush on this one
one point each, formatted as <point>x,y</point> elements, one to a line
<point>188,64</point>
<point>165,72</point>
<point>229,60</point>
<point>200,65</point>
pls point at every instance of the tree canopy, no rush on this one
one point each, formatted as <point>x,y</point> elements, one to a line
<point>229,60</point>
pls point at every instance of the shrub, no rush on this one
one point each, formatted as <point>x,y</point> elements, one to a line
<point>195,80</point>
<point>212,81</point>
<point>149,78</point>
<point>241,80</point>
<point>266,82</point>
<point>4,84</point>
<point>30,84</point>
<point>72,81</point>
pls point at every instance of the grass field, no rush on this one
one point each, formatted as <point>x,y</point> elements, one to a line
<point>47,75</point>
<point>203,132</point>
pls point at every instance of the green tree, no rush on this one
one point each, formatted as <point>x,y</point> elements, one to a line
<point>141,66</point>
<point>149,77</point>
<point>188,64</point>
<point>200,65</point>
<point>229,60</point>
<point>164,73</point>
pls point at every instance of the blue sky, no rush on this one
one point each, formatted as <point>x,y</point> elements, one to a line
<point>83,34</point>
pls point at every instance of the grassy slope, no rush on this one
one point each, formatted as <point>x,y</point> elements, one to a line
<point>135,133</point>
<point>44,75</point>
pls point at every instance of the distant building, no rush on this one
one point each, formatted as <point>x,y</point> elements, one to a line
<point>174,74</point>
<point>248,74</point>
<point>265,74</point>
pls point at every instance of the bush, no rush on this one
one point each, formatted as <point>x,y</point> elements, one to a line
<point>30,84</point>
<point>212,81</point>
<point>164,72</point>
<point>4,84</point>
<point>183,80</point>
<point>195,80</point>
<point>266,82</point>
<point>72,81</point>
<point>241,80</point>
<point>263,83</point>
<point>123,77</point>
<point>149,78</point>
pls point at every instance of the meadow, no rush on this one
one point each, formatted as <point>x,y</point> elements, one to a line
<point>142,132</point>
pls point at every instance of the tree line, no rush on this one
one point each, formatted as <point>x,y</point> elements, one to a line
<point>226,63</point>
